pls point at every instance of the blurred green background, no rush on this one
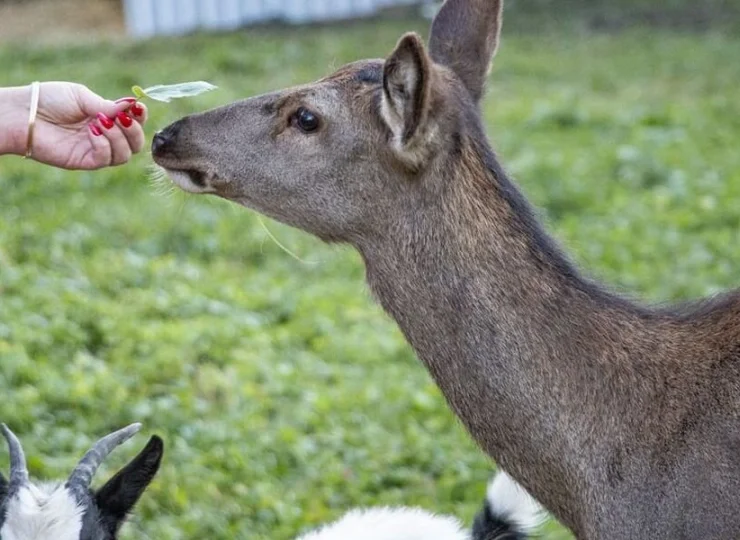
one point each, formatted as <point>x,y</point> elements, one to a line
<point>284,395</point>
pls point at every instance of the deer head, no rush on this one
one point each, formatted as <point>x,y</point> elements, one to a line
<point>348,156</point>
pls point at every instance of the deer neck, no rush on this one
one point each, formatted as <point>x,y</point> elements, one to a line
<point>508,329</point>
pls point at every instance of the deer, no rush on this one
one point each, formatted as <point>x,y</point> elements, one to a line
<point>620,417</point>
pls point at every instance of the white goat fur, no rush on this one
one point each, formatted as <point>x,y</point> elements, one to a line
<point>391,524</point>
<point>504,497</point>
<point>42,512</point>
<point>511,502</point>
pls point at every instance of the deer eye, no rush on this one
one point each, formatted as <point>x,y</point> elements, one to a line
<point>306,120</point>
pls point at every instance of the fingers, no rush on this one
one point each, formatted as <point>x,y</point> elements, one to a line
<point>133,108</point>
<point>100,155</point>
<point>133,131</point>
<point>118,143</point>
<point>139,112</point>
<point>117,132</point>
<point>123,132</point>
<point>130,110</point>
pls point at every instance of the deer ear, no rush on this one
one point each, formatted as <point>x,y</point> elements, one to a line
<point>406,89</point>
<point>119,495</point>
<point>464,37</point>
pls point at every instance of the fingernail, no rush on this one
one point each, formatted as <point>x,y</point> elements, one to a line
<point>137,109</point>
<point>95,130</point>
<point>126,99</point>
<point>106,122</point>
<point>125,119</point>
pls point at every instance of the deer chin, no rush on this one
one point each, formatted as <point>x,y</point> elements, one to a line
<point>190,180</point>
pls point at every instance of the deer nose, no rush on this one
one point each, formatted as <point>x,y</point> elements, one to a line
<point>164,140</point>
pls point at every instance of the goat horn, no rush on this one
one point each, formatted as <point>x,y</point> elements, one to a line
<point>18,469</point>
<point>81,477</point>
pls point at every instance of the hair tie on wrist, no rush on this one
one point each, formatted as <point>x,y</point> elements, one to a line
<point>32,117</point>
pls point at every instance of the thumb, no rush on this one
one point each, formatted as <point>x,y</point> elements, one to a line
<point>92,104</point>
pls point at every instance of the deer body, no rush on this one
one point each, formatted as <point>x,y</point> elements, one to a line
<point>606,396</point>
<point>623,421</point>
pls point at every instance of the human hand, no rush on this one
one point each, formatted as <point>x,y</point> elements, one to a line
<point>77,129</point>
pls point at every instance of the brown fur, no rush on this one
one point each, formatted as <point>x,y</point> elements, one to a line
<point>621,419</point>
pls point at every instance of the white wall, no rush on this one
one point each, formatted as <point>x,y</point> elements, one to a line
<point>152,17</point>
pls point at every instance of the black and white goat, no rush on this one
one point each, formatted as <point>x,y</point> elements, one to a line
<point>72,510</point>
<point>508,513</point>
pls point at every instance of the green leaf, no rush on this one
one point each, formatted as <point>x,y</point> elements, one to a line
<point>138,91</point>
<point>168,92</point>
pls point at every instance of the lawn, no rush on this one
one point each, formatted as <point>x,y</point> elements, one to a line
<point>285,396</point>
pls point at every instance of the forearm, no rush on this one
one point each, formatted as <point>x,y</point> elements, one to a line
<point>14,107</point>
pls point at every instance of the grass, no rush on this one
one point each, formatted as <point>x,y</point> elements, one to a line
<point>283,393</point>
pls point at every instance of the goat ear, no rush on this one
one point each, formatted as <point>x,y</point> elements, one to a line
<point>119,495</point>
<point>406,89</point>
<point>464,37</point>
<point>3,487</point>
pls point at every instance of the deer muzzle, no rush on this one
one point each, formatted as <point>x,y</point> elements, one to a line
<point>174,154</point>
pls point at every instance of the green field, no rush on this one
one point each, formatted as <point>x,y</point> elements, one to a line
<point>284,395</point>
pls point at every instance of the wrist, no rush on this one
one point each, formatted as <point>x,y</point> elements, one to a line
<point>15,103</point>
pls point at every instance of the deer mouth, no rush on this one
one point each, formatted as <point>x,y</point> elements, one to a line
<point>190,180</point>
<point>177,164</point>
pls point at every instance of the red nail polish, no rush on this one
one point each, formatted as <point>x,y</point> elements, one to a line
<point>95,130</point>
<point>106,122</point>
<point>137,109</point>
<point>126,99</point>
<point>125,119</point>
